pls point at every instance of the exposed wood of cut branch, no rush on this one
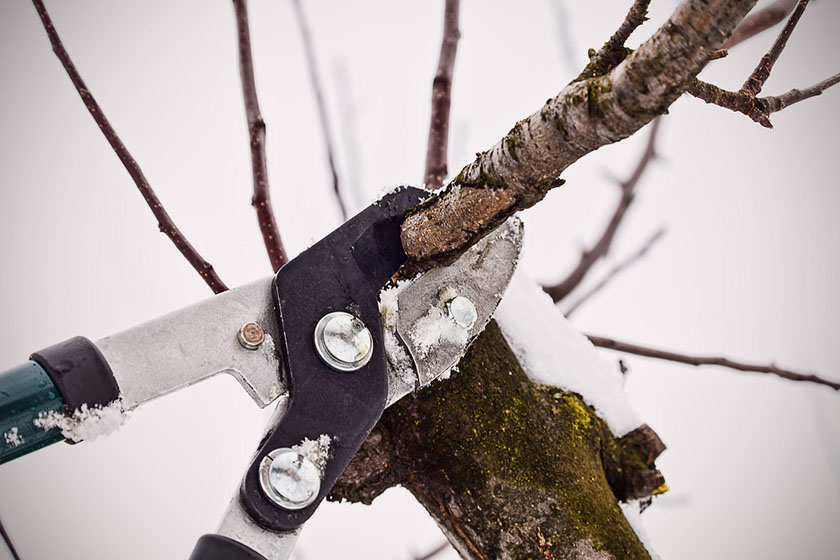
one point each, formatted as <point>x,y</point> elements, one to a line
<point>261,201</point>
<point>165,222</point>
<point>602,246</point>
<point>639,350</point>
<point>318,91</point>
<point>521,168</point>
<point>760,20</point>
<point>762,71</point>
<point>436,151</point>
<point>635,257</point>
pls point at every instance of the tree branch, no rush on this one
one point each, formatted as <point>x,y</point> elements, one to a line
<point>520,169</point>
<point>613,51</point>
<point>436,151</point>
<point>317,90</point>
<point>618,269</point>
<point>261,200</point>
<point>759,21</point>
<point>8,541</point>
<point>756,80</point>
<point>631,348</point>
<point>165,223</point>
<point>602,246</point>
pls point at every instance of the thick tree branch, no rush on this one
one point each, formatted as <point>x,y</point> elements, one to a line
<point>261,201</point>
<point>618,269</point>
<point>436,151</point>
<point>760,20</point>
<point>602,246</point>
<point>165,223</point>
<point>631,348</point>
<point>519,170</point>
<point>317,90</point>
<point>756,80</point>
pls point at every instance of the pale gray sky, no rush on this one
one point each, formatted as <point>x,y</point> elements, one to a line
<point>749,267</point>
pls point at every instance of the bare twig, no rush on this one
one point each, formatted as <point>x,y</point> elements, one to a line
<point>618,269</point>
<point>165,223</point>
<point>8,541</point>
<point>758,109</point>
<point>613,51</point>
<point>261,200</point>
<point>434,552</point>
<point>436,161</point>
<point>602,246</point>
<point>758,21</point>
<point>631,348</point>
<point>762,71</point>
<point>317,90</point>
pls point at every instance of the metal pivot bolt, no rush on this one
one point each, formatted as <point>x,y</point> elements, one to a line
<point>462,311</point>
<point>343,341</point>
<point>251,336</point>
<point>289,479</point>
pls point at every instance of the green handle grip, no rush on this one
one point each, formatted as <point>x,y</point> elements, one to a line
<point>26,392</point>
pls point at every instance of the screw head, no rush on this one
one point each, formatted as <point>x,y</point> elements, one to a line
<point>343,341</point>
<point>289,479</point>
<point>251,336</point>
<point>462,311</point>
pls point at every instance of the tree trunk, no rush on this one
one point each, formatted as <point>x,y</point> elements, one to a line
<point>507,468</point>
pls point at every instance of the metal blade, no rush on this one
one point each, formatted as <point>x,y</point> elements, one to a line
<point>197,342</point>
<point>425,328</point>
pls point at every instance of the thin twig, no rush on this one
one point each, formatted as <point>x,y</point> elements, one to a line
<point>434,552</point>
<point>436,161</point>
<point>8,541</point>
<point>758,21</point>
<point>613,51</point>
<point>631,348</point>
<point>618,269</point>
<point>602,247</point>
<point>762,71</point>
<point>261,201</point>
<point>758,109</point>
<point>165,223</point>
<point>317,90</point>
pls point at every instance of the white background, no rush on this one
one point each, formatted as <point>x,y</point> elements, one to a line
<point>749,267</point>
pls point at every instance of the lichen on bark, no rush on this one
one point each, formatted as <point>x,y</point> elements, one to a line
<point>509,469</point>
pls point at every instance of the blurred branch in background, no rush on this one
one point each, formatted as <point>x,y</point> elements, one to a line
<point>350,142</point>
<point>618,269</point>
<point>261,201</point>
<point>165,223</point>
<point>317,90</point>
<point>600,249</point>
<point>434,552</point>
<point>565,36</point>
<point>8,542</point>
<point>436,151</point>
<point>649,352</point>
<point>760,20</point>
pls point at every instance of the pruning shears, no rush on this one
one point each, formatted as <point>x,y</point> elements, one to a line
<point>332,338</point>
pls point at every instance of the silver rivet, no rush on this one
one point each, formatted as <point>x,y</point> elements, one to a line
<point>343,341</point>
<point>251,336</point>
<point>289,479</point>
<point>462,311</point>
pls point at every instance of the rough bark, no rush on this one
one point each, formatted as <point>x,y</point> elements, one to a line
<point>531,472</point>
<point>589,113</point>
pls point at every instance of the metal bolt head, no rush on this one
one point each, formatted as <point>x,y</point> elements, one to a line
<point>289,479</point>
<point>251,336</point>
<point>343,341</point>
<point>462,311</point>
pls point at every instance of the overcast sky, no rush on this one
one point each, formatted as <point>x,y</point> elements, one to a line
<point>748,268</point>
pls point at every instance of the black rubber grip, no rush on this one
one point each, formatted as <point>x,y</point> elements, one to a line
<point>217,547</point>
<point>80,373</point>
